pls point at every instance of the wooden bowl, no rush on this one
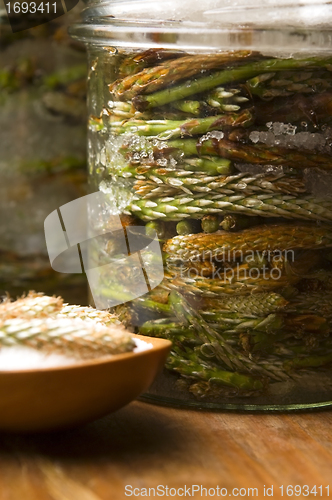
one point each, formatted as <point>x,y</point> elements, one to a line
<point>57,398</point>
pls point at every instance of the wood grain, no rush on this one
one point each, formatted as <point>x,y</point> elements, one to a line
<point>145,446</point>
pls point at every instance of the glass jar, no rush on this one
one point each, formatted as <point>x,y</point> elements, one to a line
<point>210,126</point>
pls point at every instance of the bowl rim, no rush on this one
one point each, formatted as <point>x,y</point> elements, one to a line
<point>158,345</point>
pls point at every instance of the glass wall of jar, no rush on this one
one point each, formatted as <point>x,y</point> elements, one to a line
<point>218,138</point>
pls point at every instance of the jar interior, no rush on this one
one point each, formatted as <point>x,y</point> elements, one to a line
<point>224,157</point>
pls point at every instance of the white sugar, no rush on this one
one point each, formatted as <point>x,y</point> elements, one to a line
<point>142,346</point>
<point>27,358</point>
<point>286,135</point>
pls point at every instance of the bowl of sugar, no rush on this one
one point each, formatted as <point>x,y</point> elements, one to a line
<point>48,392</point>
<point>62,366</point>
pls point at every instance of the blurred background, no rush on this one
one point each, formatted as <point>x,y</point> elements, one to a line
<point>42,149</point>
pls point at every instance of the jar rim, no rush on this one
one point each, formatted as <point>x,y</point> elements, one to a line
<point>215,14</point>
<point>292,24</point>
<point>124,33</point>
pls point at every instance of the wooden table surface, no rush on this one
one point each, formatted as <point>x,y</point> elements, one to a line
<point>143,446</point>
